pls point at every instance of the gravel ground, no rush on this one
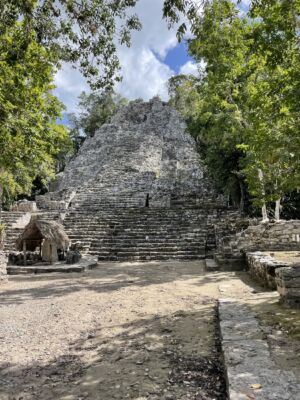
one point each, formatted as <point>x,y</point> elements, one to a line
<point>136,331</point>
<point>128,331</point>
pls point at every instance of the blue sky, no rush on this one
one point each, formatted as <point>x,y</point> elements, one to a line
<point>154,56</point>
<point>177,57</point>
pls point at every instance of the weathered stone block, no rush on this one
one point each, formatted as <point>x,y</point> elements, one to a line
<point>3,266</point>
<point>262,267</point>
<point>288,284</point>
<point>25,206</point>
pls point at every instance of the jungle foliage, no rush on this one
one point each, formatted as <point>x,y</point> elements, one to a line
<point>244,109</point>
<point>30,138</point>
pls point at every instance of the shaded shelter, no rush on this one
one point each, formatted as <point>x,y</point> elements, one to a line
<point>48,236</point>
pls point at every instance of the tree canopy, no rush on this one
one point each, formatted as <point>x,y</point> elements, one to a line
<point>246,116</point>
<point>29,135</point>
<point>84,33</point>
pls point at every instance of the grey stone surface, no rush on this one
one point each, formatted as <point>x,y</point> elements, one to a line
<point>251,371</point>
<point>82,265</point>
<point>280,235</point>
<point>262,267</point>
<point>146,143</point>
<point>73,257</point>
<point>59,200</point>
<point>211,265</point>
<point>3,265</point>
<point>24,206</point>
<point>288,284</point>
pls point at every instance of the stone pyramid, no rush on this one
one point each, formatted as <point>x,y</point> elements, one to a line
<point>138,190</point>
<point>145,150</point>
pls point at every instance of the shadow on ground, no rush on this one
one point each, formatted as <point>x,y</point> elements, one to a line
<point>107,277</point>
<point>173,357</point>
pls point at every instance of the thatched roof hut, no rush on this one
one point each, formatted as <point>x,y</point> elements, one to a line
<point>38,230</point>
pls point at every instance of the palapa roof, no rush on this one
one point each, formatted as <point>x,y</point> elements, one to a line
<point>37,230</point>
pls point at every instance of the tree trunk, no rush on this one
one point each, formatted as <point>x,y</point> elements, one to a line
<point>242,199</point>
<point>264,213</point>
<point>277,209</point>
<point>1,195</point>
<point>264,207</point>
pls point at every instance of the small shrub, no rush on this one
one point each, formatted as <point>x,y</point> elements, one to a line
<point>2,228</point>
<point>2,235</point>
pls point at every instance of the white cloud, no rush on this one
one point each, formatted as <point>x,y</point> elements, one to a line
<point>192,68</point>
<point>189,68</point>
<point>144,72</point>
<point>144,76</point>
<point>69,84</point>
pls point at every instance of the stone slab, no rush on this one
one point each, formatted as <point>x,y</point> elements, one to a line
<point>251,372</point>
<point>211,265</point>
<point>3,264</point>
<point>84,264</point>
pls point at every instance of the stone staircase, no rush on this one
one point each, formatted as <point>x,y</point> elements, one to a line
<point>117,233</point>
<point>138,190</point>
<point>12,230</point>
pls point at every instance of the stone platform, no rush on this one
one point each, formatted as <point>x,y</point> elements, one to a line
<point>84,264</point>
<point>251,372</point>
<point>276,272</point>
<point>288,284</point>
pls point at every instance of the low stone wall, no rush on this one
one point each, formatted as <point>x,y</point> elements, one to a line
<point>56,201</point>
<point>288,284</point>
<point>3,265</point>
<point>281,235</point>
<point>227,227</point>
<point>24,206</point>
<point>262,267</point>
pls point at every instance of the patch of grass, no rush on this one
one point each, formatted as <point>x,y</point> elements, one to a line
<point>281,317</point>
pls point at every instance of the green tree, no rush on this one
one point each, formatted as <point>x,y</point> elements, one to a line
<point>84,33</point>
<point>248,106</point>
<point>30,138</point>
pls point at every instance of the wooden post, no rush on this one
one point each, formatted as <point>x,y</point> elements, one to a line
<point>40,249</point>
<point>24,252</point>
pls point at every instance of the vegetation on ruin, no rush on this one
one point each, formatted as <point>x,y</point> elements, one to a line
<point>95,109</point>
<point>244,106</point>
<point>2,234</point>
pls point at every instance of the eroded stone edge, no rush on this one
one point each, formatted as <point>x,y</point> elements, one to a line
<point>251,372</point>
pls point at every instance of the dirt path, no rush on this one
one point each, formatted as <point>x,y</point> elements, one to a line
<point>122,331</point>
<point>136,331</point>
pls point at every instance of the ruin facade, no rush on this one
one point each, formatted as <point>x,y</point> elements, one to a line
<point>138,189</point>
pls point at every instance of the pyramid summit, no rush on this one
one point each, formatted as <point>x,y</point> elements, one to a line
<point>145,148</point>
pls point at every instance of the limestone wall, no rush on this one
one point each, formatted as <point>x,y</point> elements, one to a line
<point>3,265</point>
<point>282,235</point>
<point>288,284</point>
<point>146,148</point>
<point>275,274</point>
<point>262,267</point>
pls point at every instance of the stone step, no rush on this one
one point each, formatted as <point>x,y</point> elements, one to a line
<point>152,257</point>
